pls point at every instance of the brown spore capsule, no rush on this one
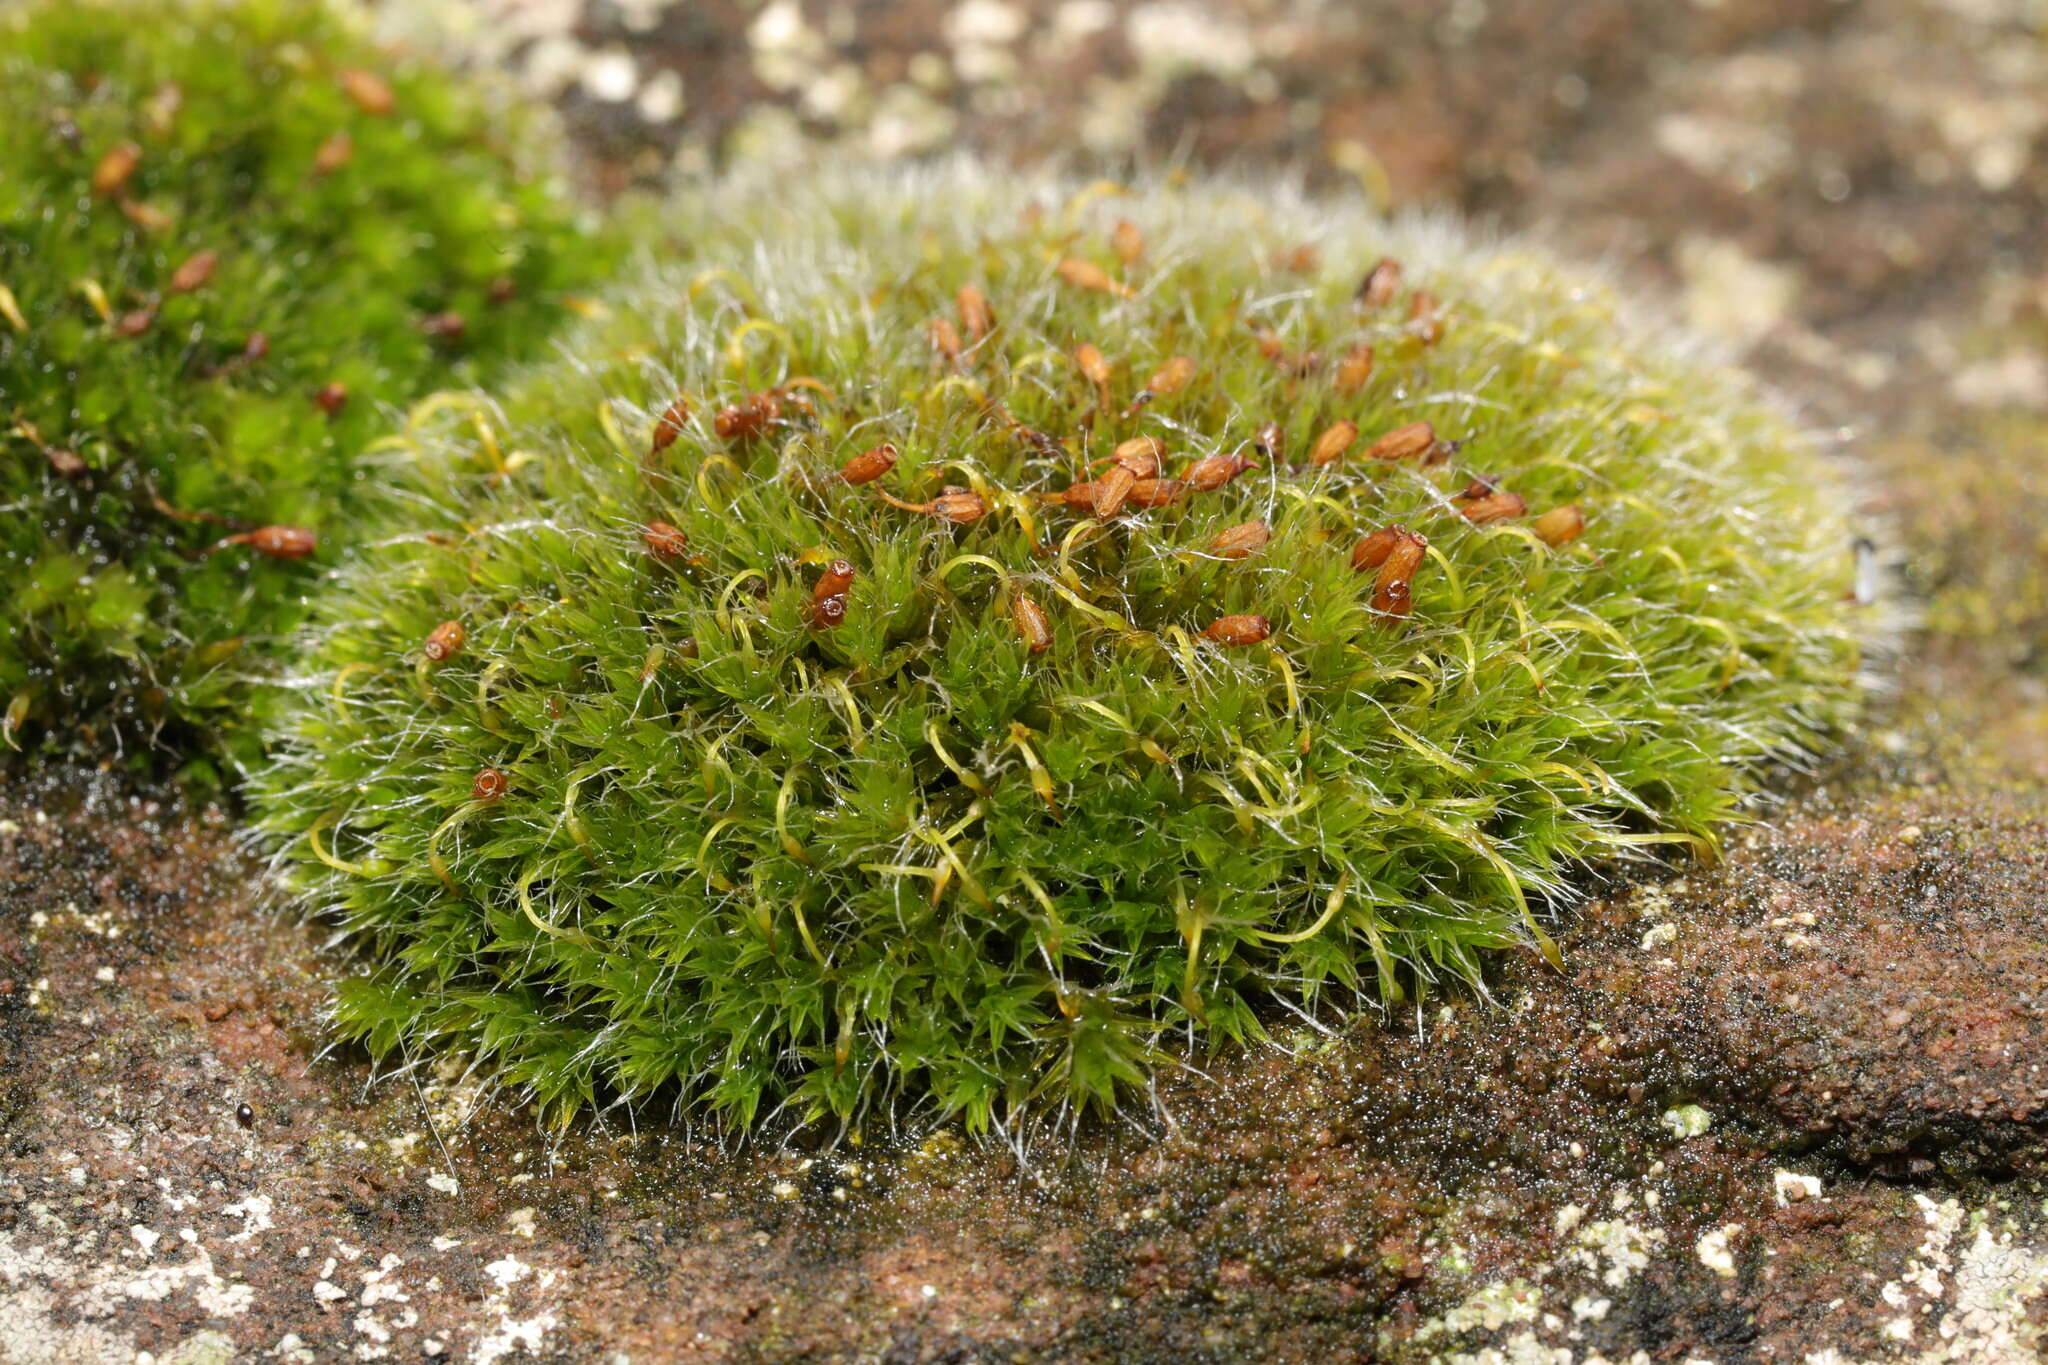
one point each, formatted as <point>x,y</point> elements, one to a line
<point>1354,369</point>
<point>1495,506</point>
<point>869,465</point>
<point>1381,285</point>
<point>1241,541</point>
<point>826,613</point>
<point>957,505</point>
<point>331,398</point>
<point>1331,445</point>
<point>148,217</point>
<point>1151,493</point>
<point>445,642</point>
<point>135,322</point>
<point>1372,552</point>
<point>1213,471</point>
<point>197,269</point>
<point>1403,442</point>
<point>281,542</point>
<point>977,319</point>
<point>1127,240</point>
<point>444,326</point>
<point>490,785</point>
<point>668,426</point>
<point>68,464</point>
<point>1425,317</point>
<point>1560,525</point>
<point>1092,277</point>
<point>664,541</point>
<point>333,154</point>
<point>749,418</point>
<point>370,92</point>
<point>1032,626</point>
<point>114,167</point>
<point>1392,589</point>
<point>1234,631</point>
<point>834,581</point>
<point>945,340</point>
<point>1172,377</point>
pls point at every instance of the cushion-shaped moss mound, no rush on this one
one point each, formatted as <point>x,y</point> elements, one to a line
<point>947,639</point>
<point>228,232</point>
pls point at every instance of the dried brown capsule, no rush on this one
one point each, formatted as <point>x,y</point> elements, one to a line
<point>134,323</point>
<point>1354,369</point>
<point>148,217</point>
<point>668,426</point>
<point>1495,506</point>
<point>1241,541</point>
<point>444,326</point>
<point>1094,366</point>
<point>369,90</point>
<point>255,348</point>
<point>333,154</point>
<point>490,785</point>
<point>747,419</point>
<point>1270,441</point>
<point>1171,378</point>
<point>331,398</point>
<point>66,463</point>
<point>1090,276</point>
<point>1151,493</point>
<point>665,542</point>
<point>445,642</point>
<point>501,290</point>
<point>1032,627</point>
<point>977,319</point>
<point>1381,284</point>
<point>1441,451</point>
<point>277,542</point>
<point>826,612</point>
<point>1372,552</point>
<point>1425,318</point>
<point>870,464</point>
<point>834,581</point>
<point>945,340</point>
<point>1133,462</point>
<point>957,505</point>
<point>1213,471</point>
<point>1391,590</point>
<point>1127,240</point>
<point>1331,445</point>
<point>1560,525</point>
<point>195,272</point>
<point>1141,455</point>
<point>1238,630</point>
<point>1302,260</point>
<point>1403,442</point>
<point>1270,345</point>
<point>1079,497</point>
<point>114,168</point>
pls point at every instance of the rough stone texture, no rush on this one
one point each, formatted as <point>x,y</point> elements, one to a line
<point>1790,1108</point>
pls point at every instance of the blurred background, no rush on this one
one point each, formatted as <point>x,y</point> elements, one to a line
<point>1853,191</point>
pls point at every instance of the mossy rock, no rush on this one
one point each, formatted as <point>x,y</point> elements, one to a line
<point>625,789</point>
<point>229,233</point>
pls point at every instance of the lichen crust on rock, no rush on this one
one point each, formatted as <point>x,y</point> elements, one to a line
<point>229,234</point>
<point>960,641</point>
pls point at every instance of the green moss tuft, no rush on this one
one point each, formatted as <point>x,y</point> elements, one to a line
<point>666,821</point>
<point>228,233</point>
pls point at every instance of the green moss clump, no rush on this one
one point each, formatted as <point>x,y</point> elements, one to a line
<point>229,232</point>
<point>671,816</point>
